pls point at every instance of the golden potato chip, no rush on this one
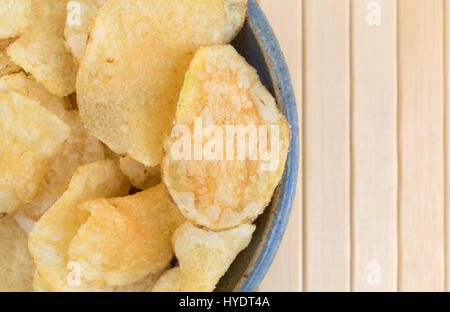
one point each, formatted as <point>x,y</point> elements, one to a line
<point>81,14</point>
<point>72,101</point>
<point>50,239</point>
<point>14,15</point>
<point>228,175</point>
<point>170,281</point>
<point>110,154</point>
<point>84,12</point>
<point>29,136</point>
<point>139,286</point>
<point>125,239</point>
<point>4,43</point>
<point>141,176</point>
<point>132,72</point>
<point>25,223</point>
<point>79,149</point>
<point>27,86</point>
<point>6,66</point>
<point>41,51</point>
<point>16,267</point>
<point>203,257</point>
<point>39,284</point>
<point>235,12</point>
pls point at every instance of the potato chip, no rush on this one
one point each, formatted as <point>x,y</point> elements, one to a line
<point>141,176</point>
<point>51,236</point>
<point>16,267</point>
<point>231,178</point>
<point>110,154</point>
<point>81,14</point>
<point>25,223</point>
<point>14,16</point>
<point>6,66</point>
<point>79,149</point>
<point>84,12</point>
<point>125,239</point>
<point>139,286</point>
<point>5,43</point>
<point>235,11</point>
<point>132,71</point>
<point>170,281</point>
<point>203,257</point>
<point>27,86</point>
<point>29,136</point>
<point>41,51</point>
<point>39,284</point>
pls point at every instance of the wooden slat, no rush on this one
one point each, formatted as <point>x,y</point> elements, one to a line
<point>421,116</point>
<point>374,144</point>
<point>326,145</point>
<point>447,136</point>
<point>286,271</point>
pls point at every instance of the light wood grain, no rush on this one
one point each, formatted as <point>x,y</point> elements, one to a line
<point>421,132</point>
<point>374,144</point>
<point>447,137</point>
<point>334,257</point>
<point>286,271</point>
<point>327,145</point>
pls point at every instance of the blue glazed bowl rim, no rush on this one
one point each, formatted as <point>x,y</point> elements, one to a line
<point>284,94</point>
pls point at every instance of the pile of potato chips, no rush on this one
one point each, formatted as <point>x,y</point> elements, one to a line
<point>91,94</point>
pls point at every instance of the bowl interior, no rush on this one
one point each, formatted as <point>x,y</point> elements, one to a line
<point>257,43</point>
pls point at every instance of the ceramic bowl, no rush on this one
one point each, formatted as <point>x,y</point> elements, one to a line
<point>258,44</point>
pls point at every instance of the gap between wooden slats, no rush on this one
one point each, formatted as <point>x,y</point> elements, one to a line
<point>447,136</point>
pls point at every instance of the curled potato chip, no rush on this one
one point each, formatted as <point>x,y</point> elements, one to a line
<point>83,12</point>
<point>50,239</point>
<point>235,12</point>
<point>79,149</point>
<point>40,49</point>
<point>14,15</point>
<point>125,239</point>
<point>129,81</point>
<point>29,136</point>
<point>231,178</point>
<point>141,176</point>
<point>16,267</point>
<point>203,257</point>
<point>80,15</point>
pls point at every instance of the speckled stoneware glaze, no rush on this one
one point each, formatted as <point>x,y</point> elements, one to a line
<point>258,44</point>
